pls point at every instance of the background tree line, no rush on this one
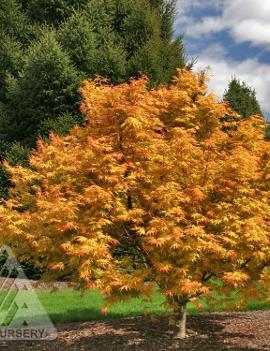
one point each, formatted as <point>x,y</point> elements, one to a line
<point>48,47</point>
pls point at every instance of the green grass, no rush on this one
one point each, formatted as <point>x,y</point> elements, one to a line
<point>221,306</point>
<point>71,306</point>
<point>67,306</point>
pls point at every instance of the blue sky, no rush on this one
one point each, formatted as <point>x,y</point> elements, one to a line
<point>230,38</point>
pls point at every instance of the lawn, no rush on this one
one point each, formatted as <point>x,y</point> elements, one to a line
<point>66,306</point>
<point>71,306</point>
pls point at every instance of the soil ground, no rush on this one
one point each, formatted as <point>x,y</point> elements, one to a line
<point>207,332</point>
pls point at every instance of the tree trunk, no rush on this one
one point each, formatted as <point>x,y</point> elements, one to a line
<point>182,319</point>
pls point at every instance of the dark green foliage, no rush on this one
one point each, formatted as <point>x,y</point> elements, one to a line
<point>111,38</point>
<point>242,99</point>
<point>267,132</point>
<point>4,125</point>
<point>94,53</point>
<point>29,270</point>
<point>4,147</point>
<point>46,89</point>
<point>17,154</point>
<point>145,30</point>
<point>173,54</point>
<point>139,25</point>
<point>157,60</point>
<point>166,11</point>
<point>47,47</point>
<point>4,183</point>
<point>119,39</point>
<point>52,11</point>
<point>14,22</point>
<point>60,125</point>
<point>100,13</point>
<point>79,40</point>
<point>147,60</point>
<point>112,58</point>
<point>11,61</point>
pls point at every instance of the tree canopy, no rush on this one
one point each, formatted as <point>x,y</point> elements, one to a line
<point>242,99</point>
<point>47,88</point>
<point>49,47</point>
<point>150,192</point>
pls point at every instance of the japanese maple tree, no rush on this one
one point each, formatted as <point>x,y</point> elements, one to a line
<point>152,192</point>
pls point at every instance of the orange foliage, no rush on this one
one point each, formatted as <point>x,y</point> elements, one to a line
<point>151,190</point>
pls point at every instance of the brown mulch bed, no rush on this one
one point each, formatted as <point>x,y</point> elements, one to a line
<point>208,332</point>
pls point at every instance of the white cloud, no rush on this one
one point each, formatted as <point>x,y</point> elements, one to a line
<point>184,5</point>
<point>251,71</point>
<point>246,20</point>
<point>253,31</point>
<point>208,25</point>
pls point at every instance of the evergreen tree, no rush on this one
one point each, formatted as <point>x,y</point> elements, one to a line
<point>93,53</point>
<point>46,89</point>
<point>119,39</point>
<point>12,19</point>
<point>47,47</point>
<point>267,132</point>
<point>242,99</point>
<point>60,125</point>
<point>11,60</point>
<point>52,11</point>
<point>15,154</point>
<point>115,39</point>
<point>166,11</point>
<point>14,22</point>
<point>136,23</point>
<point>4,183</point>
<point>78,38</point>
<point>146,30</point>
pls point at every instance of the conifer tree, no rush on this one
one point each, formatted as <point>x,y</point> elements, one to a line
<point>52,12</point>
<point>114,39</point>
<point>16,154</point>
<point>47,89</point>
<point>40,73</point>
<point>93,52</point>
<point>11,61</point>
<point>4,183</point>
<point>242,99</point>
<point>267,132</point>
<point>15,23</point>
<point>166,11</point>
<point>146,30</point>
